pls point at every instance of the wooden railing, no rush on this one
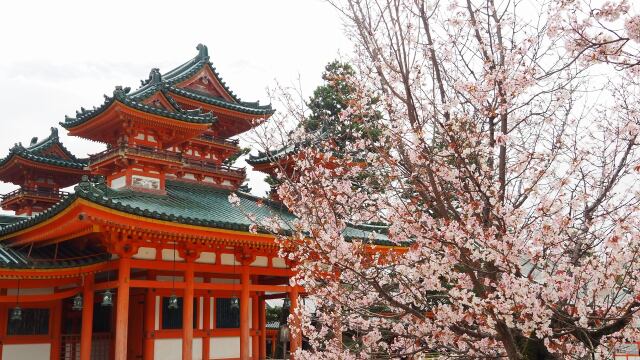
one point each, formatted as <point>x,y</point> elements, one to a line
<point>43,193</point>
<point>218,140</point>
<point>136,151</point>
<point>100,347</point>
<point>211,167</point>
<point>166,155</point>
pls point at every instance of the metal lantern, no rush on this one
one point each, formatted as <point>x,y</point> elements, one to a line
<point>16,313</point>
<point>107,298</point>
<point>286,303</point>
<point>77,302</point>
<point>173,302</point>
<point>235,303</point>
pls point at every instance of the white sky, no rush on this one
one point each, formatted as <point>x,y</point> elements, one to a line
<point>56,56</point>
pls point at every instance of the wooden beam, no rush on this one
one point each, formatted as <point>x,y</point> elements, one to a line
<point>122,308</point>
<point>187,313</point>
<point>244,314</point>
<point>87,318</point>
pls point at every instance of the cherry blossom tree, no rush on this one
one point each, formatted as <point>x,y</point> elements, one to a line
<point>495,215</point>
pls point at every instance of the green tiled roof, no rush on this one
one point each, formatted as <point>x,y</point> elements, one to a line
<point>265,157</point>
<point>36,152</point>
<point>49,257</point>
<point>122,95</point>
<point>255,107</point>
<point>185,203</point>
<point>192,67</point>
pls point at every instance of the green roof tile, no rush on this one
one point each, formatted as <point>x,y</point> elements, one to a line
<point>187,203</point>
<point>121,95</point>
<point>36,152</point>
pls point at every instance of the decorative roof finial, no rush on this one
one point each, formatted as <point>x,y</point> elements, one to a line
<point>120,92</point>
<point>203,52</point>
<point>34,140</point>
<point>54,132</point>
<point>154,76</point>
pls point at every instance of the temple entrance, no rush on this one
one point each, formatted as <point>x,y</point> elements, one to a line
<point>135,338</point>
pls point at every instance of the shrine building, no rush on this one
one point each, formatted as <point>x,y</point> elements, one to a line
<point>146,258</point>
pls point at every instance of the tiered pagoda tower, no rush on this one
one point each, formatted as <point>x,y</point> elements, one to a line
<point>41,170</point>
<point>177,125</point>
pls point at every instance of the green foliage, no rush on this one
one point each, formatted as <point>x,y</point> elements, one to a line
<point>337,97</point>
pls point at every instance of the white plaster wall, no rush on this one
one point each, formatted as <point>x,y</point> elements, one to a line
<point>171,349</point>
<point>31,291</point>
<point>196,348</point>
<point>119,182</point>
<point>168,349</point>
<point>167,255</point>
<point>26,351</point>
<point>207,257</point>
<point>228,259</point>
<point>226,347</point>
<point>225,281</point>
<point>145,253</point>
<point>279,263</point>
<point>261,261</point>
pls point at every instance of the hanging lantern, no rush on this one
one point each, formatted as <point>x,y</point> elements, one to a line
<point>16,313</point>
<point>173,302</point>
<point>235,303</point>
<point>107,298</point>
<point>286,303</point>
<point>77,303</point>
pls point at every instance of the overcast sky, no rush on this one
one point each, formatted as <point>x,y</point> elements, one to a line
<point>56,56</point>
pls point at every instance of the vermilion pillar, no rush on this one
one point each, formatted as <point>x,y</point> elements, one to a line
<point>122,308</point>
<point>244,314</point>
<point>187,313</point>
<point>56,329</point>
<point>262,313</point>
<point>255,338</point>
<point>206,326</point>
<point>149,321</point>
<point>87,318</point>
<point>295,333</point>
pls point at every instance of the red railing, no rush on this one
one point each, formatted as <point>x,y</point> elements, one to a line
<point>167,156</point>
<point>210,167</point>
<point>123,150</point>
<point>218,140</point>
<point>42,193</point>
<point>100,347</point>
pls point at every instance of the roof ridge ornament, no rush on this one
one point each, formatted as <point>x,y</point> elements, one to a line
<point>203,52</point>
<point>34,140</point>
<point>155,77</point>
<point>120,92</point>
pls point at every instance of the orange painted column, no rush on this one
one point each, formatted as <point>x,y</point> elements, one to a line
<point>295,339</point>
<point>255,338</point>
<point>122,308</point>
<point>262,318</point>
<point>4,312</point>
<point>86,332</point>
<point>244,313</point>
<point>206,325</point>
<point>149,321</point>
<point>56,330</point>
<point>187,313</point>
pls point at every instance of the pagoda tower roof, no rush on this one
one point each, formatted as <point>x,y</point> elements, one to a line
<point>49,155</point>
<point>217,94</point>
<point>121,99</point>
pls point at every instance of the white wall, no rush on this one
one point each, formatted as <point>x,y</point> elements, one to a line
<point>26,351</point>
<point>171,349</point>
<point>168,349</point>
<point>226,347</point>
